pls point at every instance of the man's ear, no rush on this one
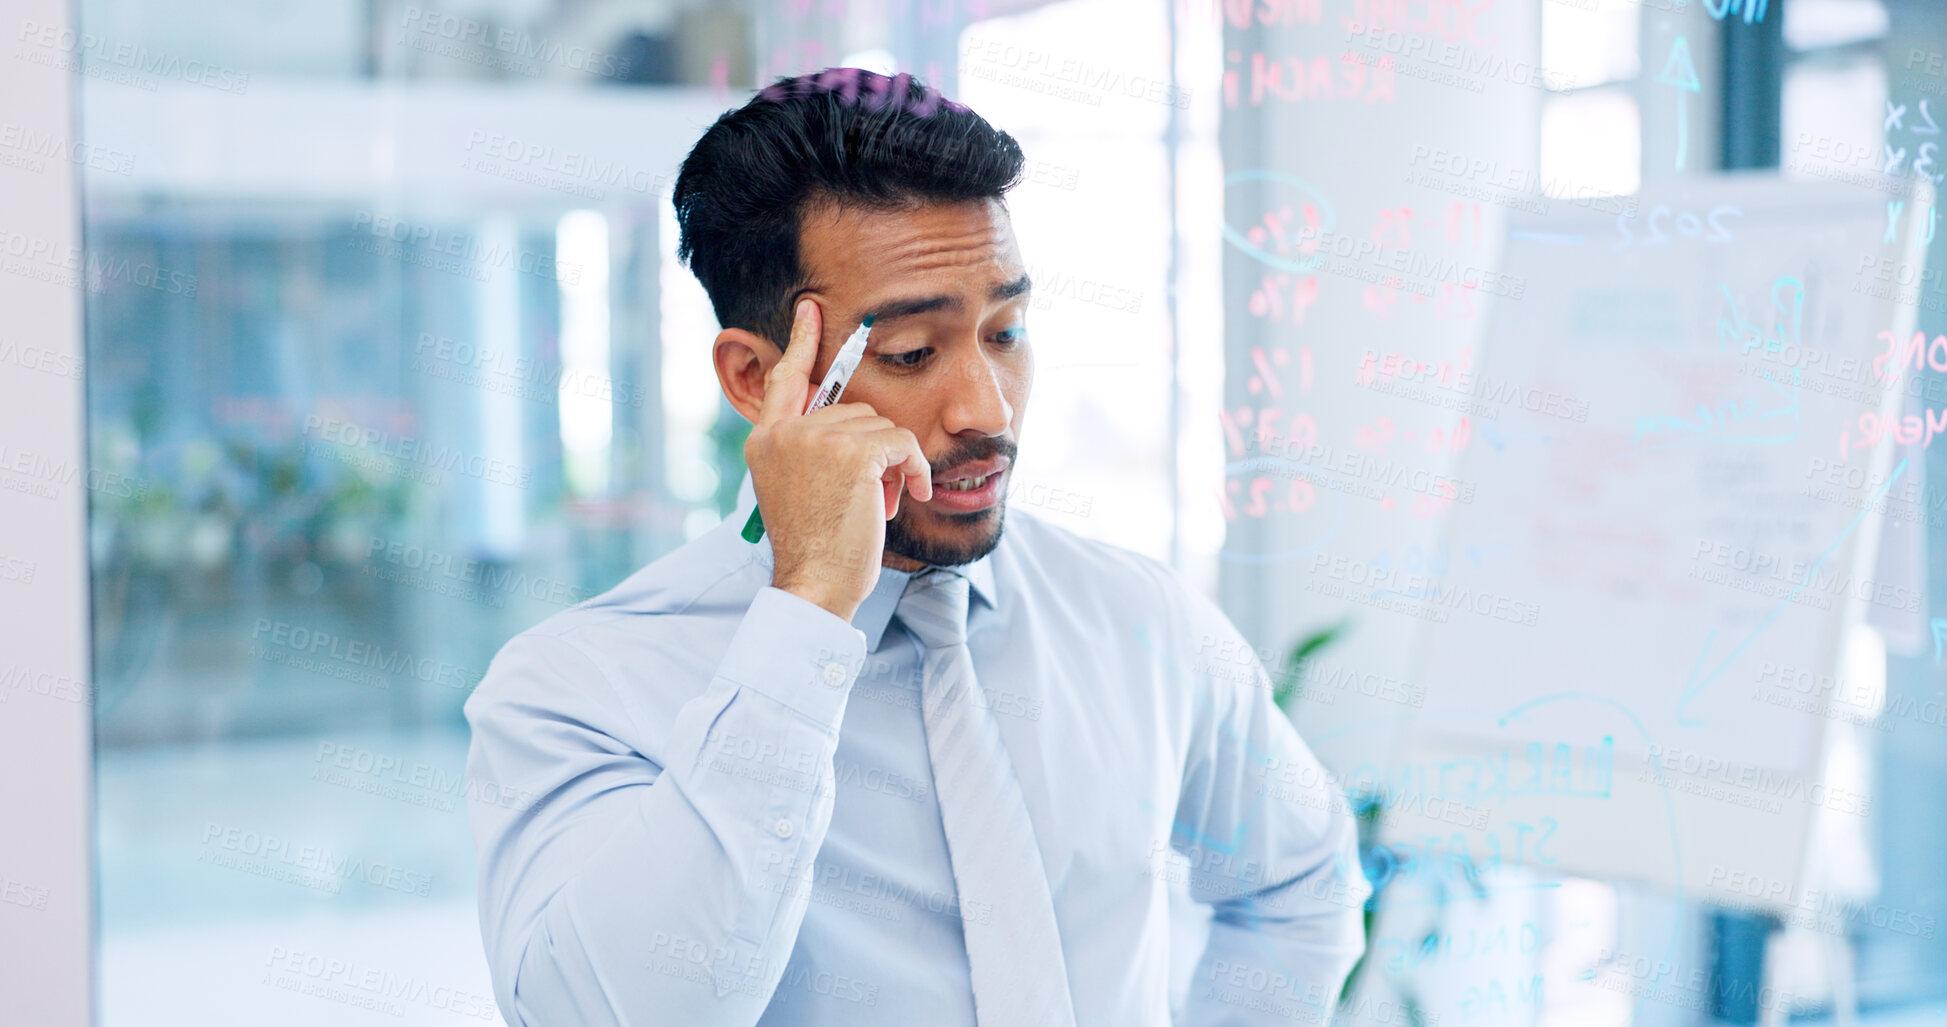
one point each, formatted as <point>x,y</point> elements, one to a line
<point>742,359</point>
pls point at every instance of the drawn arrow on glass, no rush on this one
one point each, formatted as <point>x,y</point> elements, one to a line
<point>1678,71</point>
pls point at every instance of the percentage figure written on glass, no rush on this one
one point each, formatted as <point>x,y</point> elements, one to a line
<point>1394,223</point>
<point>1460,224</point>
<point>1268,299</point>
<point>1297,497</point>
<point>1269,378</point>
<point>1378,436</point>
<point>1439,497</point>
<point>1399,367</point>
<point>1285,233</point>
<point>1284,221</point>
<point>1266,379</point>
<point>1463,221</point>
<point>1455,303</point>
<point>1265,437</point>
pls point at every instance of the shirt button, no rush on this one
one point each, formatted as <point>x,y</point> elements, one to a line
<point>783,828</point>
<point>834,674</point>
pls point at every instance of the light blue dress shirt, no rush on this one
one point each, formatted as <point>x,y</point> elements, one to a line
<point>729,816</point>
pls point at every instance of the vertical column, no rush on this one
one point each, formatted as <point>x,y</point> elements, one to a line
<point>46,689</point>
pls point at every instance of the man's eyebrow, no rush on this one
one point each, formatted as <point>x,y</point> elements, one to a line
<point>917,305</point>
<point>914,306</point>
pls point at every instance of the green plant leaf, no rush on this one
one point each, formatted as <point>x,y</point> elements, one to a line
<point>1287,684</point>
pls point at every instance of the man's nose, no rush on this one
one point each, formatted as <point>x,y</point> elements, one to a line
<point>978,400</point>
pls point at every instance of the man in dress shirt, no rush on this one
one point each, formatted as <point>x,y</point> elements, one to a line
<point>892,765</point>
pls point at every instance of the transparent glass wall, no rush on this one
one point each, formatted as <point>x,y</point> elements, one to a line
<point>364,449</point>
<point>390,360</point>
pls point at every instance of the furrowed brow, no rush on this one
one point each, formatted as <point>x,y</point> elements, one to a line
<point>913,307</point>
<point>1012,289</point>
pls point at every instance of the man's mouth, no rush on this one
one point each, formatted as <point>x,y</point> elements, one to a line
<point>971,487</point>
<point>972,476</point>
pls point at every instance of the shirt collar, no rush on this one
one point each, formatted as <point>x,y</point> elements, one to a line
<point>876,612</point>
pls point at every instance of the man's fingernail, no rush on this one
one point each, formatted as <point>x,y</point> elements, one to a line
<point>804,308</point>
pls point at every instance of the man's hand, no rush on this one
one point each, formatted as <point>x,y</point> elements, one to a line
<point>827,481</point>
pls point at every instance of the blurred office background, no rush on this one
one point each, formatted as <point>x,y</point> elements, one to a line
<point>401,363</point>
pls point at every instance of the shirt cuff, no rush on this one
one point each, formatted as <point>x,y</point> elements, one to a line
<point>797,653</point>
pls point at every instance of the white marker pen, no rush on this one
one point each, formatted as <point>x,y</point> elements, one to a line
<point>836,377</point>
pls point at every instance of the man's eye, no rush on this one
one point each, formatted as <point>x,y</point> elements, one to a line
<point>910,358</point>
<point>1010,336</point>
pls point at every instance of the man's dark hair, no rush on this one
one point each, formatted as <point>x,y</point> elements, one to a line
<point>842,134</point>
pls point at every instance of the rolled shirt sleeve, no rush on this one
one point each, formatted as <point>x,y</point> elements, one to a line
<point>1273,848</point>
<point>629,888</point>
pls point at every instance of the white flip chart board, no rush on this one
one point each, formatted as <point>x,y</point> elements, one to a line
<point>1642,689</point>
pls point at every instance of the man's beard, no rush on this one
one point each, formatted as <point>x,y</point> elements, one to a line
<point>903,541</point>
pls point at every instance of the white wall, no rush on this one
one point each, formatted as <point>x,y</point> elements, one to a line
<point>46,776</point>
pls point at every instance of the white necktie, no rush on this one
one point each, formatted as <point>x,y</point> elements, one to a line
<point>1019,976</point>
